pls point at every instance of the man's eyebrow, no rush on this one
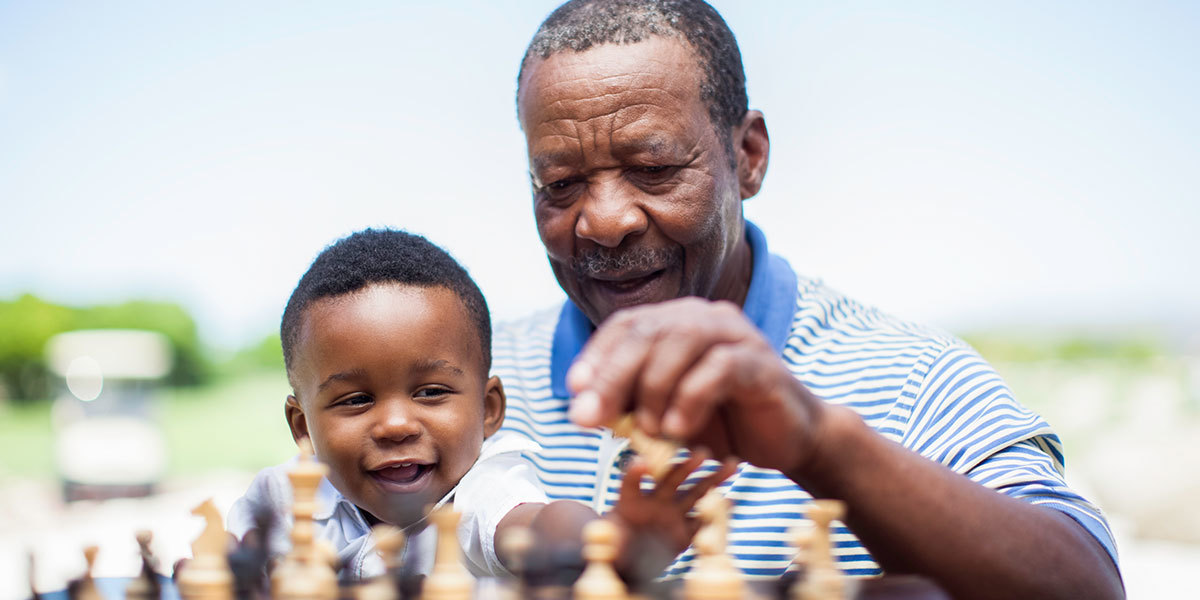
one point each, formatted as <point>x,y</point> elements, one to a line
<point>340,376</point>
<point>428,365</point>
<point>546,160</point>
<point>655,146</point>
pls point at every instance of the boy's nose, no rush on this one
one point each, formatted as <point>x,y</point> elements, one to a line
<point>396,423</point>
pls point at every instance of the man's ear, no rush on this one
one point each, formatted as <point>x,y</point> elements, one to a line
<point>295,418</point>
<point>494,404</point>
<point>752,148</point>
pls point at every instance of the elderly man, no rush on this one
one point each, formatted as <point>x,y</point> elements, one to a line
<point>641,151</point>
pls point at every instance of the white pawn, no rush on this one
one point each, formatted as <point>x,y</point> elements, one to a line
<point>822,580</point>
<point>449,579</point>
<point>714,576</point>
<point>599,580</point>
<point>388,543</point>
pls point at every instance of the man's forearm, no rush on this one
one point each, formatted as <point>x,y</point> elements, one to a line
<point>916,516</point>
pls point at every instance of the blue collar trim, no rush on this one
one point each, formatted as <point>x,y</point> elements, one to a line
<point>770,305</point>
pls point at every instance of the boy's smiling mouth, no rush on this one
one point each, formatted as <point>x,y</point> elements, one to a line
<point>403,477</point>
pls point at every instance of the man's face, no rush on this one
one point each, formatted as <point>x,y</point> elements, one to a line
<point>393,395</point>
<point>634,195</point>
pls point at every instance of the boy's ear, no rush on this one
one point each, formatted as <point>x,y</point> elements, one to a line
<point>295,418</point>
<point>494,403</point>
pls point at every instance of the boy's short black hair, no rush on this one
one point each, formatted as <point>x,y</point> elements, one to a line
<point>383,256</point>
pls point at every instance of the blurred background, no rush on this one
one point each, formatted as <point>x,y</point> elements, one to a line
<point>1019,174</point>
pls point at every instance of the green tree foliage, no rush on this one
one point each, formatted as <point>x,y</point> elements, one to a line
<point>28,322</point>
<point>264,355</point>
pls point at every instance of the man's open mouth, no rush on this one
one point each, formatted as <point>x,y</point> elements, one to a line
<point>629,284</point>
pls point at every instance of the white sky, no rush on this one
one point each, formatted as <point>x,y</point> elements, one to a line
<point>969,164</point>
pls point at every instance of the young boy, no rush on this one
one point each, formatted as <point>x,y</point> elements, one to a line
<point>386,341</point>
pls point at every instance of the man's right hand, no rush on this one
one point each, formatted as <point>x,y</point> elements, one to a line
<point>699,372</point>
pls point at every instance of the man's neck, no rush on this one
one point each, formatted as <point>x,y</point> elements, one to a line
<point>734,283</point>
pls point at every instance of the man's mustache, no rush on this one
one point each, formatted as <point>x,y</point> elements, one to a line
<point>608,261</point>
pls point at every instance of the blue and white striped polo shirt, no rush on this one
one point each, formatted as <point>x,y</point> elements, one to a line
<point>919,387</point>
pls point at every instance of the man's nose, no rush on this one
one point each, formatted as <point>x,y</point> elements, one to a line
<point>397,421</point>
<point>610,213</point>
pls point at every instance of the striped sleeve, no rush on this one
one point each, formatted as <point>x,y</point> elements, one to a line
<point>964,413</point>
<point>966,418</point>
<point>1028,471</point>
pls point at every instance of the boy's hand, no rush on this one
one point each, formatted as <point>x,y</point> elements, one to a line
<point>655,526</point>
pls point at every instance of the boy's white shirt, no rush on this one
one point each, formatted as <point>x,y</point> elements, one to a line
<point>500,479</point>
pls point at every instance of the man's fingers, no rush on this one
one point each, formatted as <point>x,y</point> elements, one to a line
<point>611,368</point>
<point>706,385</point>
<point>676,350</point>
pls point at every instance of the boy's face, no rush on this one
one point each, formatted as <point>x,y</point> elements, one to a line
<point>390,388</point>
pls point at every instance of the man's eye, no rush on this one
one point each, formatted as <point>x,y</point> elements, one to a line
<point>653,174</point>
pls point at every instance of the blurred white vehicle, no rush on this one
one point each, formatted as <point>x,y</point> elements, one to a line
<point>107,441</point>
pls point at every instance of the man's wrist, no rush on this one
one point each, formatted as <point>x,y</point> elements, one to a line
<point>836,431</point>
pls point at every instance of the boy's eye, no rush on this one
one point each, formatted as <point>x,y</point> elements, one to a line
<point>431,393</point>
<point>355,400</point>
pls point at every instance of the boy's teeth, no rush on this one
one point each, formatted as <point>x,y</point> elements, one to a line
<point>401,473</point>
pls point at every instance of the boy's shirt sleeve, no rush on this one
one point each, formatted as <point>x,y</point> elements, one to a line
<point>502,479</point>
<point>269,492</point>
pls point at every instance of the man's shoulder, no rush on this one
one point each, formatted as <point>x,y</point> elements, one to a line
<point>538,324</point>
<point>826,319</point>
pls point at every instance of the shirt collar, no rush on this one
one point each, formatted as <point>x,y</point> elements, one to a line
<point>770,305</point>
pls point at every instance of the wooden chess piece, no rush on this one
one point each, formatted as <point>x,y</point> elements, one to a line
<point>207,576</point>
<point>599,580</point>
<point>33,593</point>
<point>657,453</point>
<point>514,547</point>
<point>822,580</point>
<point>714,576</point>
<point>305,573</point>
<point>84,588</point>
<point>449,579</point>
<point>388,543</point>
<point>145,586</point>
<point>801,539</point>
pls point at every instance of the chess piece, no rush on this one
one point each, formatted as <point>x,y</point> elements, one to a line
<point>207,576</point>
<point>33,593</point>
<point>449,579</point>
<point>822,579</point>
<point>657,453</point>
<point>145,586</point>
<point>388,543</point>
<point>599,580</point>
<point>249,560</point>
<point>515,546</point>
<point>800,538</point>
<point>714,576</point>
<point>305,573</point>
<point>84,588</point>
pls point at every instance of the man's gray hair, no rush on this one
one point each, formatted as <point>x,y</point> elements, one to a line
<point>580,24</point>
